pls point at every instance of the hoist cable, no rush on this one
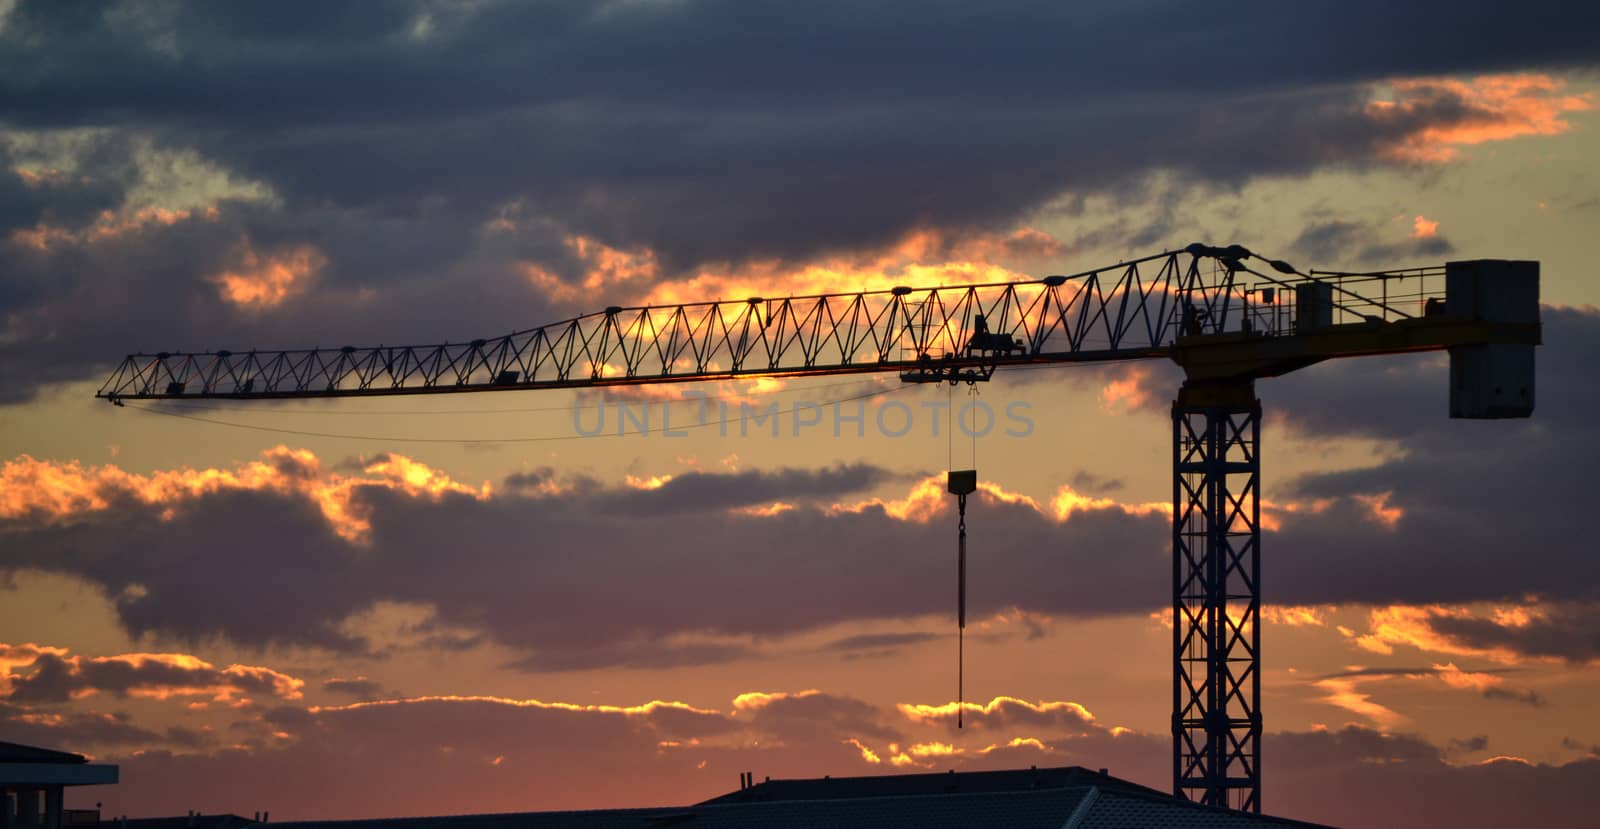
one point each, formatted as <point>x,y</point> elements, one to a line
<point>961,608</point>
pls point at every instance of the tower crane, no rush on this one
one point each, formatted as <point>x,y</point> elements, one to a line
<point>1225,315</point>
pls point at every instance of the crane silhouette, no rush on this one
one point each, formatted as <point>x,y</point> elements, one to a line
<point>1226,316</point>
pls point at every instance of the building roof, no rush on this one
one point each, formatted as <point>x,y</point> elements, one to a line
<point>1012,780</point>
<point>19,753</point>
<point>224,821</point>
<point>1065,798</point>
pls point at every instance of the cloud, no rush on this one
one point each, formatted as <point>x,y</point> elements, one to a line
<point>53,676</point>
<point>431,755</point>
<point>1006,713</point>
<point>74,730</point>
<point>1477,510</point>
<point>260,282</point>
<point>357,686</point>
<point>695,589</point>
<point>1350,242</point>
<point>1341,688</point>
<point>1483,109</point>
<point>1548,630</point>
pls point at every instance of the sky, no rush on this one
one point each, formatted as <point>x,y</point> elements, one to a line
<point>456,604</point>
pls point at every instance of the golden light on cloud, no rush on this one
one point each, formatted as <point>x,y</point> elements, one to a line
<point>764,510</point>
<point>1381,511</point>
<point>1296,615</point>
<point>1422,228</point>
<point>1454,677</point>
<point>925,501</point>
<point>1129,391</point>
<point>58,492</point>
<point>643,710</point>
<point>1026,742</point>
<point>1068,501</point>
<point>922,713</point>
<point>1486,108</point>
<point>756,700</point>
<point>920,258</point>
<point>647,483</point>
<point>263,281</point>
<point>158,676</point>
<point>108,225</point>
<point>867,754</point>
<point>1342,692</point>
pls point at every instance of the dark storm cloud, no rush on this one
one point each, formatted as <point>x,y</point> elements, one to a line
<point>390,133</point>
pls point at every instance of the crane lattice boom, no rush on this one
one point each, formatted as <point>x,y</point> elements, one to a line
<point>1131,310</point>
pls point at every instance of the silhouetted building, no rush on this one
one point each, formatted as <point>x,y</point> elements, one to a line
<point>33,781</point>
<point>190,821</point>
<point>1056,798</point>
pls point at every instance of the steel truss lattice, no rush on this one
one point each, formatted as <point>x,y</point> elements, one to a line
<point>1216,568</point>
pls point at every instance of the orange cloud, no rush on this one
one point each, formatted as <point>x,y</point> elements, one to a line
<point>1129,392</point>
<point>1454,677</point>
<point>922,257</point>
<point>1410,626</point>
<point>58,492</point>
<point>1380,510</point>
<point>644,710</point>
<point>108,225</point>
<point>145,675</point>
<point>756,700</point>
<point>1001,707</point>
<point>260,282</point>
<point>923,503</point>
<point>1486,108</point>
<point>1295,615</point>
<point>607,267</point>
<point>1034,742</point>
<point>1422,228</point>
<point>928,499</point>
<point>1342,693</point>
<point>1069,501</point>
<point>867,754</point>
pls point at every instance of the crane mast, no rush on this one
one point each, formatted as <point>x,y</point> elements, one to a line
<point>1225,315</point>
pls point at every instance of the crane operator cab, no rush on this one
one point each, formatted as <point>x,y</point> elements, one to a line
<point>984,340</point>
